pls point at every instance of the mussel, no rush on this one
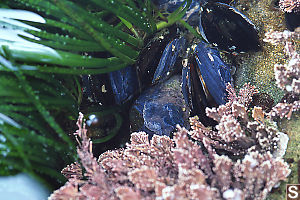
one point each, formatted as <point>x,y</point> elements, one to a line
<point>205,77</point>
<point>168,63</point>
<point>219,24</point>
<point>117,87</point>
<point>227,28</point>
<point>202,84</point>
<point>164,97</point>
<point>160,108</point>
<point>124,84</point>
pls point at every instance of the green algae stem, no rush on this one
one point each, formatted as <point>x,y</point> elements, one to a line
<point>292,128</point>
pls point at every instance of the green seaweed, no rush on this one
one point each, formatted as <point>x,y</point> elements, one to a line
<point>41,66</point>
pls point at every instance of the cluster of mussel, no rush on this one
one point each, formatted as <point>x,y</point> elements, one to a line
<point>178,75</point>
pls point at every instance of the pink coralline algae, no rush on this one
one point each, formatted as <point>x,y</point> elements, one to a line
<point>287,76</point>
<point>237,133</point>
<point>203,163</point>
<point>289,5</point>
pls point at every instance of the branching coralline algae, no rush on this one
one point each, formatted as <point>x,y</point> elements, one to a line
<point>258,68</point>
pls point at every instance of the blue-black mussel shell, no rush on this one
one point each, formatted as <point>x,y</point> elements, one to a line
<point>168,64</point>
<point>219,23</point>
<point>226,27</point>
<point>107,89</point>
<point>160,108</point>
<point>292,20</point>
<point>215,74</point>
<point>205,77</point>
<point>124,84</point>
<point>150,55</point>
<point>202,84</point>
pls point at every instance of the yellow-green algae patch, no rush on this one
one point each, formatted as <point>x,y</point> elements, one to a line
<point>258,67</point>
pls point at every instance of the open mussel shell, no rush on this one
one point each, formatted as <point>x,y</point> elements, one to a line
<point>160,108</point>
<point>227,28</point>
